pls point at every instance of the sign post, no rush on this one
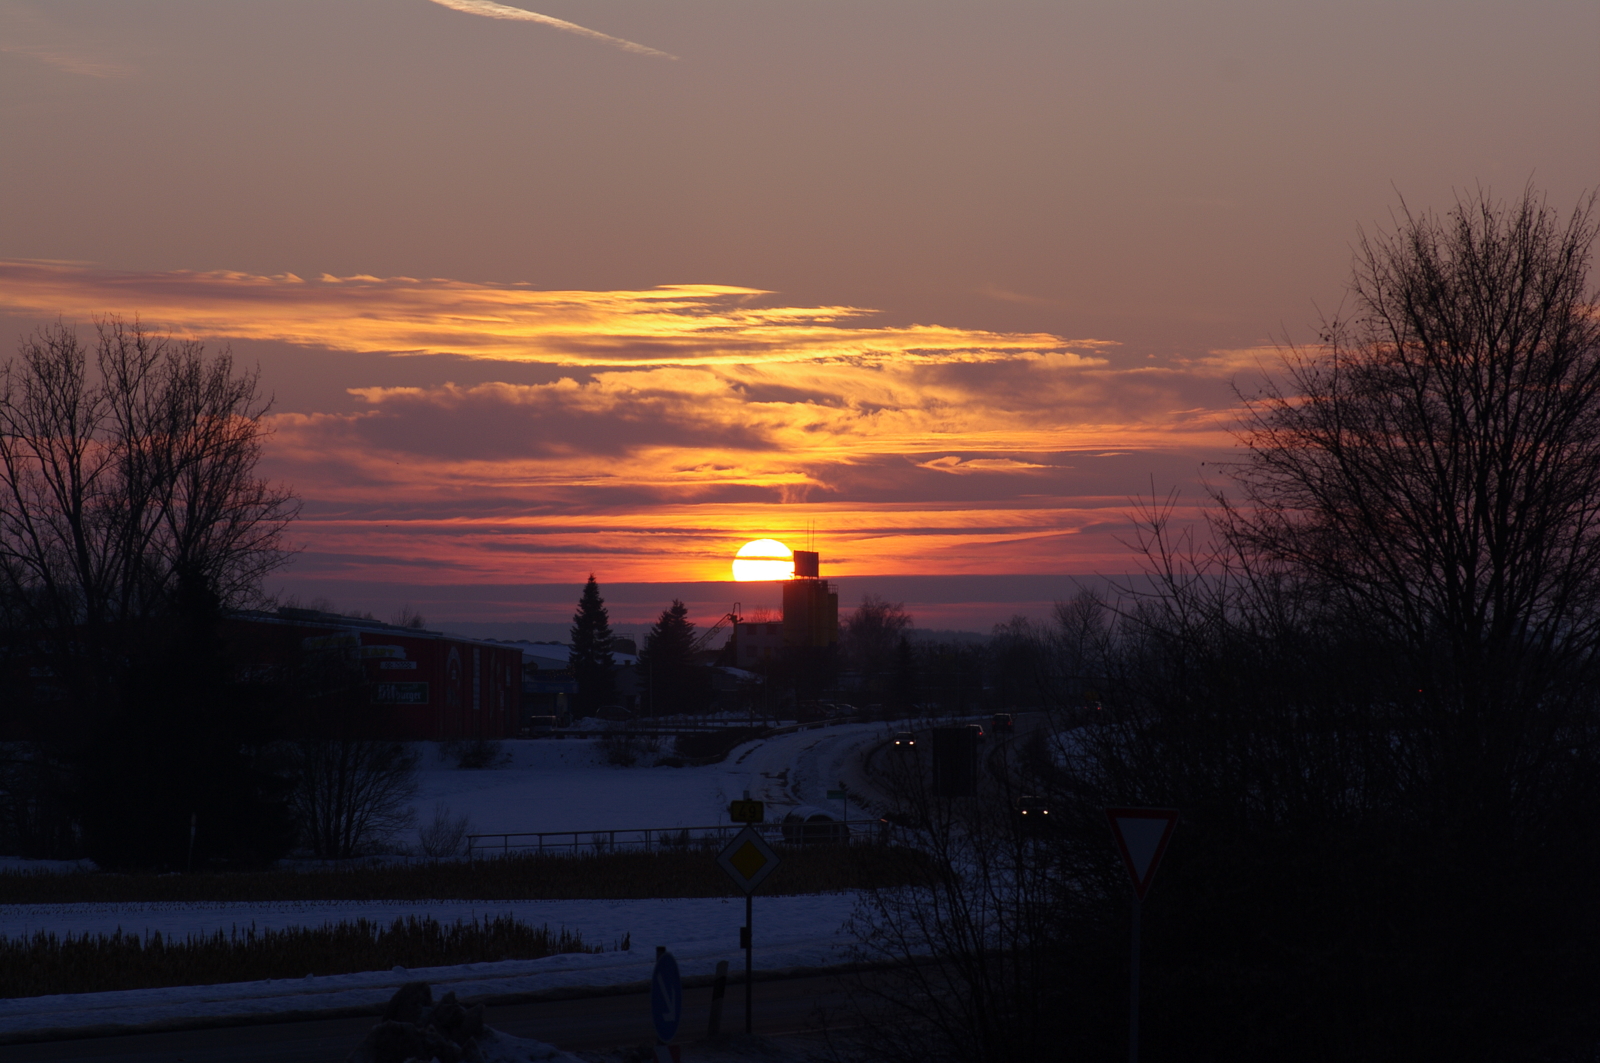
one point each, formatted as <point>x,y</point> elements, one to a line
<point>666,1003</point>
<point>748,860</point>
<point>843,794</point>
<point>1142,835</point>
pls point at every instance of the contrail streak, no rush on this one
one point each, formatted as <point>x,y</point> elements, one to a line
<point>489,9</point>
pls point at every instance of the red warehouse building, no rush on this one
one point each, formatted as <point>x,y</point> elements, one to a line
<point>426,685</point>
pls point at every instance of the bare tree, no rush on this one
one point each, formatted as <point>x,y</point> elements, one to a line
<point>352,787</point>
<point>408,617</point>
<point>118,485</point>
<point>353,794</point>
<point>1434,468</point>
<point>1372,691</point>
<point>446,835</point>
<point>131,518</point>
<point>872,633</point>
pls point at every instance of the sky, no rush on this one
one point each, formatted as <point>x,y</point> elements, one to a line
<point>944,288</point>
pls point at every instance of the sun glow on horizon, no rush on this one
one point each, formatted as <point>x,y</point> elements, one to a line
<point>763,559</point>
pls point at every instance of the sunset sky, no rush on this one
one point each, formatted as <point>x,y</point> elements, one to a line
<point>618,285</point>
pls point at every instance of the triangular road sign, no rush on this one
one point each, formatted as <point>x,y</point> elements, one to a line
<point>1142,835</point>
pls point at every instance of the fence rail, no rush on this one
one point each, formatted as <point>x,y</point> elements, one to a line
<point>651,839</point>
<point>671,730</point>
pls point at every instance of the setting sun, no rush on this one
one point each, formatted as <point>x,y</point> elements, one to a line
<point>763,559</point>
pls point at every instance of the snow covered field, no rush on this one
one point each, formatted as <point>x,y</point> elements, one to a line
<point>789,932</point>
<point>547,785</point>
<point>566,784</point>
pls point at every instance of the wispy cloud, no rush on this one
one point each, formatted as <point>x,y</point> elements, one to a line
<point>953,464</point>
<point>488,9</point>
<point>676,324</point>
<point>1005,295</point>
<point>72,61</point>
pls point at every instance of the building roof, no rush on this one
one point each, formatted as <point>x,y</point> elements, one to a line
<point>317,618</point>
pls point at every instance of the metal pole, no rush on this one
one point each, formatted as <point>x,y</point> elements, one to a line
<point>1133,991</point>
<point>748,966</point>
<point>719,989</point>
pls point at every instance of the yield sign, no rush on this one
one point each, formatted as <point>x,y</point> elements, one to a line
<point>1142,835</point>
<point>748,859</point>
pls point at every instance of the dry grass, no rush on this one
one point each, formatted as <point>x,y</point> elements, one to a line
<point>689,872</point>
<point>45,964</point>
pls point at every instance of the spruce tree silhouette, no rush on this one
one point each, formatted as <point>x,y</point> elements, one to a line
<point>672,681</point>
<point>592,663</point>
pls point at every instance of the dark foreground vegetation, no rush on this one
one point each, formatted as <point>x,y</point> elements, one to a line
<point>46,964</point>
<point>687,872</point>
<point>1371,687</point>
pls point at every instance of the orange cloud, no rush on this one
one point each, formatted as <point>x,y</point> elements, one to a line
<point>669,325</point>
<point>684,421</point>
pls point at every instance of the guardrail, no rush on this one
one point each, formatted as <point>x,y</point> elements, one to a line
<point>651,839</point>
<point>666,731</point>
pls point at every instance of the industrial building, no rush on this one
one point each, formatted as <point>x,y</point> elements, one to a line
<point>423,685</point>
<point>810,620</point>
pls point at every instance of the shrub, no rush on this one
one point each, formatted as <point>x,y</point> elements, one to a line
<point>446,836</point>
<point>623,749</point>
<point>353,794</point>
<point>474,754</point>
<point>46,963</point>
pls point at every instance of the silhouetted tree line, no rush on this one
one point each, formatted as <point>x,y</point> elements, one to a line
<point>130,519</point>
<point>132,522</point>
<point>1371,688</point>
<point>672,677</point>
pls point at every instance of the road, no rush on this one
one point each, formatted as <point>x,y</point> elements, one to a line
<point>781,1007</point>
<point>884,768</point>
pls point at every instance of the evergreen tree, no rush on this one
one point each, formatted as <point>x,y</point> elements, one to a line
<point>592,663</point>
<point>673,683</point>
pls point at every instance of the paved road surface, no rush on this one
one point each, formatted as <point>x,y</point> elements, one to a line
<point>781,1007</point>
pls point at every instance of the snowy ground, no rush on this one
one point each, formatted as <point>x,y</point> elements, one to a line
<point>555,785</point>
<point>566,784</point>
<point>789,932</point>
<point>546,785</point>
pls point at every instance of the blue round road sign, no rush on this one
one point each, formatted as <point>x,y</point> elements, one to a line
<point>666,997</point>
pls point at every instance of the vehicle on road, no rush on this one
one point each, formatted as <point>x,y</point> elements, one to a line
<point>977,729</point>
<point>1002,722</point>
<point>808,824</point>
<point>1032,813</point>
<point>904,740</point>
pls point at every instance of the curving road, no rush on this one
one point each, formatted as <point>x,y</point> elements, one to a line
<point>781,1006</point>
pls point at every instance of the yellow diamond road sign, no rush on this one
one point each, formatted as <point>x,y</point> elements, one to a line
<point>748,859</point>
